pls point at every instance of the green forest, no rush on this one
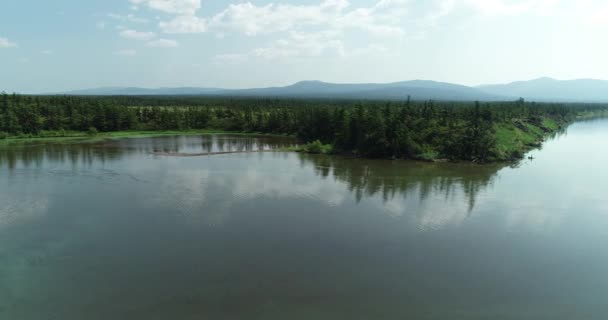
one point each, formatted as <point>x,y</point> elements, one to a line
<point>479,132</point>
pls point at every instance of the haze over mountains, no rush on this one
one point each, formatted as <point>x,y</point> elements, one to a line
<point>548,89</point>
<point>542,89</point>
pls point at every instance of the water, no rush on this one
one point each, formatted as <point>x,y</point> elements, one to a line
<point>110,230</point>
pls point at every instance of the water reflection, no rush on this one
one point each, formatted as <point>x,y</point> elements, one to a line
<point>37,155</point>
<point>429,196</point>
<point>34,154</point>
<point>398,188</point>
<point>206,144</point>
<point>279,235</point>
<point>389,179</point>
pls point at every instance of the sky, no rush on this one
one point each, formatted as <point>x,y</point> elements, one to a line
<point>59,45</point>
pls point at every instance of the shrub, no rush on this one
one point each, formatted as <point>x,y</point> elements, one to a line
<point>317,147</point>
<point>92,131</point>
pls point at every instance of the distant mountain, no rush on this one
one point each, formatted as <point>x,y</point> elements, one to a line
<point>548,89</point>
<point>417,89</point>
<point>542,89</point>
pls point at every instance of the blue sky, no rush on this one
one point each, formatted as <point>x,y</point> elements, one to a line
<point>48,46</point>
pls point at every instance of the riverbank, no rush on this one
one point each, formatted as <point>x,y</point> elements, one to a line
<point>511,140</point>
<point>426,130</point>
<point>515,139</point>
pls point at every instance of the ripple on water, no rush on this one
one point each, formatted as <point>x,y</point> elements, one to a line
<point>16,211</point>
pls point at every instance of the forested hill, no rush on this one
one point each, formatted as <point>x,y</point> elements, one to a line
<point>411,130</point>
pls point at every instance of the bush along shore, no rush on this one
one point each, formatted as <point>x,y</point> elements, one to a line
<point>428,130</point>
<point>512,141</point>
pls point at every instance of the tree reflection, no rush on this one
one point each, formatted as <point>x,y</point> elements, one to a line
<point>35,154</point>
<point>389,179</point>
<point>424,188</point>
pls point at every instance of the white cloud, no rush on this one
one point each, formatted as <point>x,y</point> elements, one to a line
<point>596,15</point>
<point>163,43</point>
<point>126,52</point>
<point>5,43</point>
<point>184,24</point>
<point>512,7</point>
<point>297,44</point>
<point>310,30</point>
<point>128,18</point>
<point>237,58</point>
<point>47,52</point>
<point>384,18</point>
<point>373,49</point>
<point>137,35</point>
<point>101,25</point>
<point>302,44</point>
<point>184,11</point>
<point>251,20</point>
<point>178,7</point>
<point>442,9</point>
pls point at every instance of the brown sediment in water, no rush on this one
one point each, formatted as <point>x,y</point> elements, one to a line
<point>178,154</point>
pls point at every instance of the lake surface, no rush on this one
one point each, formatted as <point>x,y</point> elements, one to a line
<point>109,230</point>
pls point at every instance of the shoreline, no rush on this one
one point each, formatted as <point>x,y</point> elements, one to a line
<point>513,139</point>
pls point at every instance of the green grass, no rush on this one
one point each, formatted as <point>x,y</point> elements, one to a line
<point>550,124</point>
<point>512,140</point>
<point>428,155</point>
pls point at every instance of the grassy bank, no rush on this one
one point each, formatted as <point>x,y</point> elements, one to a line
<point>514,139</point>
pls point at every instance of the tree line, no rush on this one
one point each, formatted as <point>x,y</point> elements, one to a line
<point>407,129</point>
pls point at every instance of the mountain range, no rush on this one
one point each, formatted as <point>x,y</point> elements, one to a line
<point>542,89</point>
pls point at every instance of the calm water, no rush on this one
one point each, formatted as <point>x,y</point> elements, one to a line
<point>111,231</point>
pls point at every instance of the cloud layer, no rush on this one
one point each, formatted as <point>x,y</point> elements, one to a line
<point>137,35</point>
<point>5,43</point>
<point>163,43</point>
<point>315,28</point>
